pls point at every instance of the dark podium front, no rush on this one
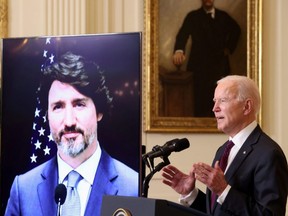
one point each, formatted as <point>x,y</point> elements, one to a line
<point>140,206</point>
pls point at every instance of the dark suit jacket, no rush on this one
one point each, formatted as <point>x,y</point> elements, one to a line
<point>33,192</point>
<point>209,37</point>
<point>258,177</point>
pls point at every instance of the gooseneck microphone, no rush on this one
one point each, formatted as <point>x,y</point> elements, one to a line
<point>60,196</point>
<point>175,145</point>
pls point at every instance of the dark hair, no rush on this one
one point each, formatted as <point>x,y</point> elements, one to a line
<point>85,76</point>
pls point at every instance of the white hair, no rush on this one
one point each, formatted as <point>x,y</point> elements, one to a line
<point>246,87</point>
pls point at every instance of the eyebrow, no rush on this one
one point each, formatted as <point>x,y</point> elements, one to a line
<point>80,100</point>
<point>76,100</point>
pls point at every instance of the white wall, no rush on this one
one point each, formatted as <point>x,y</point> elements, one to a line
<point>29,18</point>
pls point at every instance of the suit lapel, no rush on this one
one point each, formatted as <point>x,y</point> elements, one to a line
<point>47,187</point>
<point>243,153</point>
<point>102,185</point>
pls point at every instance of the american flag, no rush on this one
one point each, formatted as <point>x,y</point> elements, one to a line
<point>42,145</point>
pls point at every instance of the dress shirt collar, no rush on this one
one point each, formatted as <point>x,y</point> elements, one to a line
<point>87,169</point>
<point>241,137</point>
<point>212,12</point>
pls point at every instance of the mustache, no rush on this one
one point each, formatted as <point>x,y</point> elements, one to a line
<point>71,129</point>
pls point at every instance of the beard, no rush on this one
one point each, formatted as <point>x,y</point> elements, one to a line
<point>73,147</point>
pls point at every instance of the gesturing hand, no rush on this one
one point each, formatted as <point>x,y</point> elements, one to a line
<point>212,177</point>
<point>179,181</point>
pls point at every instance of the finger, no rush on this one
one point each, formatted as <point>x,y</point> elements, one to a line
<point>167,182</point>
<point>196,166</point>
<point>217,166</point>
<point>201,178</point>
<point>205,166</point>
<point>200,172</point>
<point>199,169</point>
<point>167,170</point>
<point>166,176</point>
<point>172,169</point>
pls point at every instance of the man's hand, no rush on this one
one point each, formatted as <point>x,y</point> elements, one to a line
<point>179,181</point>
<point>178,58</point>
<point>213,178</point>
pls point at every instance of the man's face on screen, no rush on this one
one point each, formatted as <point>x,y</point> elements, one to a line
<point>72,119</point>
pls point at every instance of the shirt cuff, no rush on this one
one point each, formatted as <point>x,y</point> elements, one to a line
<point>188,199</point>
<point>179,51</point>
<point>222,196</point>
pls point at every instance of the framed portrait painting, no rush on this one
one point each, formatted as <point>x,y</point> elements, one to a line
<point>174,100</point>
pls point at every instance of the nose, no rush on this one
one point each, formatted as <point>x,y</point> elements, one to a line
<point>70,117</point>
<point>216,107</point>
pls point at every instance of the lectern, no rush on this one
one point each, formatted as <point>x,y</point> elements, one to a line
<point>140,206</point>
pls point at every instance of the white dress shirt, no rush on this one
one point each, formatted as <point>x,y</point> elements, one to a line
<point>212,12</point>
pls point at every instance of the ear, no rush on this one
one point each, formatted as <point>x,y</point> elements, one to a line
<point>248,106</point>
<point>99,116</point>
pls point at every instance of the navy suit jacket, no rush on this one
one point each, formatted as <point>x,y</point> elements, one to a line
<point>258,177</point>
<point>33,192</point>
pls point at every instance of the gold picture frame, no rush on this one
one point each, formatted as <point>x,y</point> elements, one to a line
<point>3,18</point>
<point>153,122</point>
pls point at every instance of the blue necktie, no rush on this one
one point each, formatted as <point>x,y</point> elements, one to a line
<point>72,206</point>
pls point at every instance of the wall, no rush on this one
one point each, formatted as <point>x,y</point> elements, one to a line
<point>50,17</point>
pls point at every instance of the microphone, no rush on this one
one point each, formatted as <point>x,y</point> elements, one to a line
<point>60,196</point>
<point>175,145</point>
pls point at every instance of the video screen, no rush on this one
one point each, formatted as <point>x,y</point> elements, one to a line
<point>27,125</point>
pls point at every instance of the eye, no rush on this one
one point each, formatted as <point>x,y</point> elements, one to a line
<point>80,103</point>
<point>223,100</point>
<point>57,106</point>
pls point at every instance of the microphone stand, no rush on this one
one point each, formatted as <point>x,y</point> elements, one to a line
<point>58,207</point>
<point>153,171</point>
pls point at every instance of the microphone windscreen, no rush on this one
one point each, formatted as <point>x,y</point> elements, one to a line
<point>182,144</point>
<point>60,194</point>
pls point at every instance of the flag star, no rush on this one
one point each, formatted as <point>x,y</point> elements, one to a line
<point>51,58</point>
<point>41,131</point>
<point>38,144</point>
<point>33,158</point>
<point>50,137</point>
<point>48,40</point>
<point>44,118</point>
<point>37,111</point>
<point>45,53</point>
<point>46,150</point>
<point>34,126</point>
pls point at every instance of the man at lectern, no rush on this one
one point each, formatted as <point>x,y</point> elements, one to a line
<point>75,93</point>
<point>249,174</point>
